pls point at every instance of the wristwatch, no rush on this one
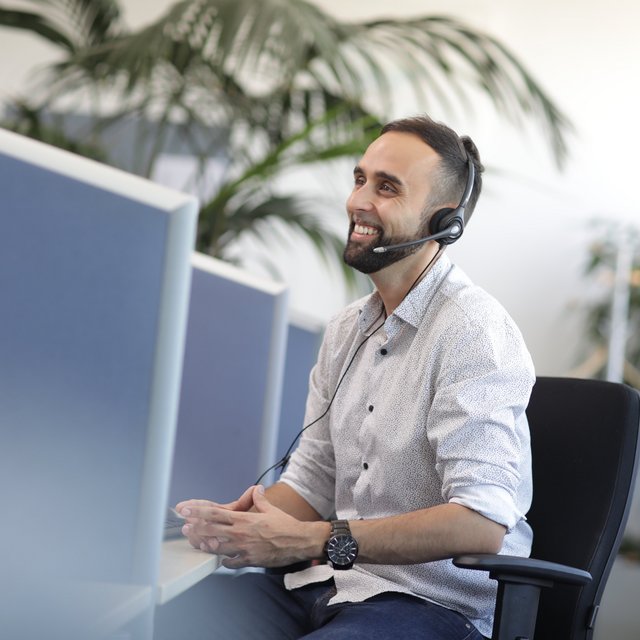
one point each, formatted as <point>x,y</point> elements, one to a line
<point>341,547</point>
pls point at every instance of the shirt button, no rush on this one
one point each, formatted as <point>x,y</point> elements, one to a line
<point>383,352</point>
<point>370,407</point>
<point>365,465</point>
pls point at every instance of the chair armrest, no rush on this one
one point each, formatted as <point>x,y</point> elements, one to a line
<point>526,570</point>
<point>520,581</point>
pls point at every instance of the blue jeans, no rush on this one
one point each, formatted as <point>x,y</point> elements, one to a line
<point>256,606</point>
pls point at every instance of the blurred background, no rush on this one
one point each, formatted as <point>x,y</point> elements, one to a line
<point>261,108</point>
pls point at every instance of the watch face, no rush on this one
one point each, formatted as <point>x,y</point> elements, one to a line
<point>342,550</point>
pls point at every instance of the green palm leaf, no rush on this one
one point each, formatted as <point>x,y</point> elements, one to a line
<point>262,59</point>
<point>35,23</point>
<point>286,83</point>
<point>70,24</point>
<point>269,218</point>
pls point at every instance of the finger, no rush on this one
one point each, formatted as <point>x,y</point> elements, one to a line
<point>209,514</point>
<point>260,501</point>
<point>186,504</point>
<point>194,541</point>
<point>218,545</point>
<point>244,502</point>
<point>208,545</point>
<point>212,545</point>
<point>203,529</point>
<point>204,543</point>
<point>236,562</point>
<point>190,534</point>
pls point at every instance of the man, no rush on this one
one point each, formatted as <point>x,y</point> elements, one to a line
<point>419,447</point>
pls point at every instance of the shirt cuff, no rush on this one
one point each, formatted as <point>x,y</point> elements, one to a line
<point>323,507</point>
<point>490,501</point>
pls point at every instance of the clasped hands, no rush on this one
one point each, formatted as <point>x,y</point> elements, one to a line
<point>249,531</point>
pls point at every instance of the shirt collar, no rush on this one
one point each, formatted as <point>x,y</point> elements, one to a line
<point>411,309</point>
<point>371,313</point>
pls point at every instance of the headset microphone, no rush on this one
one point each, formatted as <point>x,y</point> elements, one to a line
<point>446,225</point>
<point>447,233</point>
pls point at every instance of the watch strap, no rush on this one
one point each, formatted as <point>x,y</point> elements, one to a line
<point>340,526</point>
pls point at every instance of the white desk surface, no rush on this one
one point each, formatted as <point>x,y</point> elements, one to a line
<point>181,567</point>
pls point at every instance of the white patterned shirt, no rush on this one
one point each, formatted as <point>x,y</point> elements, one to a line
<point>431,411</point>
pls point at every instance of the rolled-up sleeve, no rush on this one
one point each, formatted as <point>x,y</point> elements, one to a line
<point>477,423</point>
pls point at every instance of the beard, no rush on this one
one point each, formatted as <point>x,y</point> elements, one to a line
<point>362,258</point>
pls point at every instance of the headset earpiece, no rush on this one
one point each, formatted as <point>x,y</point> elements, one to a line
<point>445,219</point>
<point>453,219</point>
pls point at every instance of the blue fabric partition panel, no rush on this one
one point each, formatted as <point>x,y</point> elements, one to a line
<point>94,285</point>
<point>304,337</point>
<point>232,382</point>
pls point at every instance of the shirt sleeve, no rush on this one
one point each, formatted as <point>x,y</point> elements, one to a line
<point>477,422</point>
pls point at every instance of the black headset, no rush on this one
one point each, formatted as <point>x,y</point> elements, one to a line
<point>452,220</point>
<point>446,225</point>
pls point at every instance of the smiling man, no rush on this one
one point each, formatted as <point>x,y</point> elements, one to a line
<point>418,444</point>
<point>385,207</point>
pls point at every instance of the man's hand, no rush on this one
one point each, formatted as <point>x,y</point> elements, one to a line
<point>264,537</point>
<point>243,503</point>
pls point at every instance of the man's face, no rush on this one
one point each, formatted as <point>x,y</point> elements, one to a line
<point>391,185</point>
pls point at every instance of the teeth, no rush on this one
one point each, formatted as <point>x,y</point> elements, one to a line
<point>367,231</point>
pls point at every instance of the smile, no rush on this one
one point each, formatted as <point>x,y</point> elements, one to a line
<point>365,231</point>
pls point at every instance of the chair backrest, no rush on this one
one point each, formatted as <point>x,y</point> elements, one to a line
<point>584,436</point>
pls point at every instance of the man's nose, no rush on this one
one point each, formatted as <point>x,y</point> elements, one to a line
<point>360,200</point>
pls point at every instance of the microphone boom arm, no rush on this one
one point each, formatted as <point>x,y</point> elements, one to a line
<point>451,231</point>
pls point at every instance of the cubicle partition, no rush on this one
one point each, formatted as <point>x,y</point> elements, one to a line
<point>304,336</point>
<point>232,382</point>
<point>94,285</point>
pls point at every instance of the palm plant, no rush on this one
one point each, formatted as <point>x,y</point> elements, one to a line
<point>286,82</point>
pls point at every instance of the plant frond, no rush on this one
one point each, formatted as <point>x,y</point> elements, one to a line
<point>36,23</point>
<point>453,48</point>
<point>267,217</point>
<point>70,24</point>
<point>287,83</point>
<point>28,121</point>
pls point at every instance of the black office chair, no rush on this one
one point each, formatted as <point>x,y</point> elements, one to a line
<point>584,436</point>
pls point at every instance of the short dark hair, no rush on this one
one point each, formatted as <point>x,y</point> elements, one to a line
<point>454,152</point>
